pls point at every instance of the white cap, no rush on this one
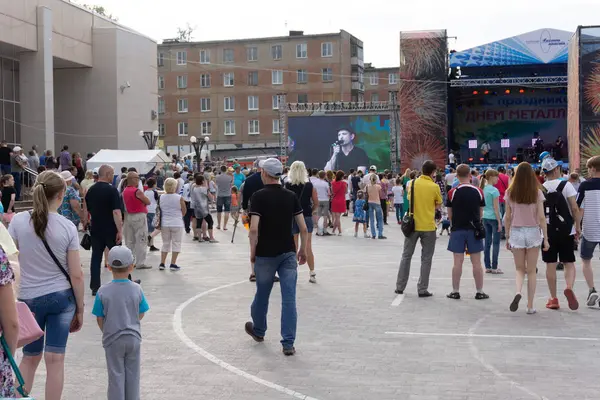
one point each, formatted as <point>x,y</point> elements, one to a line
<point>372,168</point>
<point>17,148</point>
<point>66,175</point>
<point>272,167</point>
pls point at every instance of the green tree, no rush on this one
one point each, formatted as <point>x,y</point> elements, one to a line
<point>185,34</point>
<point>100,10</point>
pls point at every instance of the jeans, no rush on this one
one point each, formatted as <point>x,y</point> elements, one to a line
<point>5,169</point>
<point>427,249</point>
<point>18,176</point>
<point>375,212</point>
<point>100,241</point>
<point>502,208</point>
<point>187,218</point>
<point>492,236</point>
<point>265,268</point>
<point>399,211</point>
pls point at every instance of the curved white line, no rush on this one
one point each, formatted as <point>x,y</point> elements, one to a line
<point>178,328</point>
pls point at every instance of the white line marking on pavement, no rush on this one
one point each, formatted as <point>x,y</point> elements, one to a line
<point>473,335</point>
<point>178,328</point>
<point>397,300</point>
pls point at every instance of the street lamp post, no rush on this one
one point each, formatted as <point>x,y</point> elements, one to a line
<point>198,145</point>
<point>150,138</point>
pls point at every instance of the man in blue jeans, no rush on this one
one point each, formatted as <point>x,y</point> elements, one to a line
<point>272,249</point>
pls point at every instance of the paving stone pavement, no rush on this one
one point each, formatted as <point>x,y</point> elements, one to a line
<point>343,350</point>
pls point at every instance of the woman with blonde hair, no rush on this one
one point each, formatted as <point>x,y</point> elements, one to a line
<point>307,196</point>
<point>524,219</point>
<point>172,209</point>
<point>87,182</point>
<point>51,280</point>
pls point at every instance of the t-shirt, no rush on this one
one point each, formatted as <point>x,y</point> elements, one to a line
<point>14,164</point>
<point>398,192</point>
<point>367,178</point>
<point>427,196</point>
<point>224,182</point>
<point>451,158</point>
<point>238,179</point>
<point>490,193</point>
<point>524,215</point>
<point>65,207</point>
<point>101,200</point>
<point>568,191</point>
<point>304,194</point>
<point>65,160</point>
<point>199,203</point>
<point>120,303</point>
<point>5,155</point>
<point>450,178</point>
<point>276,207</point>
<point>356,158</point>
<point>7,192</point>
<point>322,188</point>
<point>588,199</point>
<point>465,201</point>
<point>187,192</point>
<point>355,183</point>
<point>152,195</point>
<point>39,273</point>
<point>502,185</point>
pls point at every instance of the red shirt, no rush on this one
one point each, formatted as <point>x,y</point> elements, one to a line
<point>540,179</point>
<point>502,185</point>
<point>133,205</point>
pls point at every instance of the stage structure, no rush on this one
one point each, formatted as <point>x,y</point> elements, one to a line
<point>309,131</point>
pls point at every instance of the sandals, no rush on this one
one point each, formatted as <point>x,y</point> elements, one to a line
<point>481,296</point>
<point>453,295</point>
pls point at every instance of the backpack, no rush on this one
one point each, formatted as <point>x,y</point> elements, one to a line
<point>557,210</point>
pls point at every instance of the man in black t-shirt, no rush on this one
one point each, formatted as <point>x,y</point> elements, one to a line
<point>272,249</point>
<point>465,207</point>
<point>346,156</point>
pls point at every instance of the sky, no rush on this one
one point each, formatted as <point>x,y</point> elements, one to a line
<point>376,22</point>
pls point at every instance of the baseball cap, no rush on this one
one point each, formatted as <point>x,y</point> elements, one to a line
<point>96,170</point>
<point>548,164</point>
<point>236,166</point>
<point>17,148</point>
<point>372,168</point>
<point>272,167</point>
<point>66,175</point>
<point>120,257</point>
<point>544,155</point>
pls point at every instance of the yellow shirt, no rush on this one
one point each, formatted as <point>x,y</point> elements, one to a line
<point>427,197</point>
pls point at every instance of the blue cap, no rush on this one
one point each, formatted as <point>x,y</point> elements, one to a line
<point>544,155</point>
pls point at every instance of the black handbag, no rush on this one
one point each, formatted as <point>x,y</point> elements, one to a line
<point>86,241</point>
<point>479,230</point>
<point>408,221</point>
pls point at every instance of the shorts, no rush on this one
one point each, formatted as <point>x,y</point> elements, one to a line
<point>53,313</point>
<point>209,221</point>
<point>323,209</point>
<point>224,203</point>
<point>587,249</point>
<point>561,247</point>
<point>525,237</point>
<point>309,225</point>
<point>149,219</point>
<point>464,240</point>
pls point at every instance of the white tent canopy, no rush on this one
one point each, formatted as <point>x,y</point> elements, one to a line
<point>141,160</point>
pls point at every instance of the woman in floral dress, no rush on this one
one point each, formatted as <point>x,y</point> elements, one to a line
<point>9,323</point>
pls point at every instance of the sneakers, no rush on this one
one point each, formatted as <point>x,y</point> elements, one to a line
<point>514,306</point>
<point>152,248</point>
<point>552,304</point>
<point>143,266</point>
<point>161,267</point>
<point>425,294</point>
<point>174,267</point>
<point>592,299</point>
<point>313,277</point>
<point>531,311</point>
<point>573,303</point>
<point>382,237</point>
<point>289,351</point>
<point>249,328</point>
<point>252,278</point>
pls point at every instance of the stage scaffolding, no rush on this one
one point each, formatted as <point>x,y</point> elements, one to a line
<point>390,108</point>
<point>519,81</point>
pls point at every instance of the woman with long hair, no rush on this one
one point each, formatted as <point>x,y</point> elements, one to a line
<point>492,221</point>
<point>525,223</point>
<point>53,290</point>
<point>339,187</point>
<point>375,212</point>
<point>307,195</point>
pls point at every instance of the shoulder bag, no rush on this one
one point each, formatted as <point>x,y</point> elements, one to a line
<point>408,221</point>
<point>21,382</point>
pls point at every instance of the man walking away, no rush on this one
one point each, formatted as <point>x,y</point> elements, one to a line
<point>465,208</point>
<point>272,249</point>
<point>588,200</point>
<point>427,198</point>
<point>560,207</point>
<point>224,183</point>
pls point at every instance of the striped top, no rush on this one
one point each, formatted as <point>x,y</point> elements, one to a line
<point>588,199</point>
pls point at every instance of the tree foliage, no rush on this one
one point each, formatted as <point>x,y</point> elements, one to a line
<point>100,10</point>
<point>185,34</point>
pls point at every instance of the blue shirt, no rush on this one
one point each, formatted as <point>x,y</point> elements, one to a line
<point>238,179</point>
<point>490,193</point>
<point>65,208</point>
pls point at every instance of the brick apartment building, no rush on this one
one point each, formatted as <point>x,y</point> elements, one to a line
<point>379,82</point>
<point>228,89</point>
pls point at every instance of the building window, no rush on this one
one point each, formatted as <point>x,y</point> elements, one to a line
<point>302,98</point>
<point>229,103</point>
<point>182,128</point>
<point>182,82</point>
<point>277,77</point>
<point>229,127</point>
<point>302,76</point>
<point>205,127</point>
<point>161,60</point>
<point>205,104</point>
<point>276,52</point>
<point>204,56</point>
<point>161,106</point>
<point>252,53</point>
<point>253,78</point>
<point>327,74</point>
<point>276,102</point>
<point>253,127</point>
<point>374,79</point>
<point>228,55</point>
<point>252,103</point>
<point>276,126</point>
<point>182,105</point>
<point>205,80</point>
<point>228,79</point>
<point>326,49</point>
<point>374,96</point>
<point>301,50</point>
<point>161,82</point>
<point>392,79</point>
<point>181,57</point>
<point>161,130</point>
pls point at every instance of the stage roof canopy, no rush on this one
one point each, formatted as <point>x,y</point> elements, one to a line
<point>543,46</point>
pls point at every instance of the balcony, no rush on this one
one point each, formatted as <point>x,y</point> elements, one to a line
<point>360,86</point>
<point>357,61</point>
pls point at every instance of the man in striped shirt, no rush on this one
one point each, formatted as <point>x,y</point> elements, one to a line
<point>588,200</point>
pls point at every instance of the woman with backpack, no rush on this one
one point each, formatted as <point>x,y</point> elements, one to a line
<point>525,224</point>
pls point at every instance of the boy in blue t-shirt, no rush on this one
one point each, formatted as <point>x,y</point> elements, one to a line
<point>119,307</point>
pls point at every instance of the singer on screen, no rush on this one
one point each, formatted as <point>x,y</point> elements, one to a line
<point>345,155</point>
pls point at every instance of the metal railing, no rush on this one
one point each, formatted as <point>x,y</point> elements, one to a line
<point>28,179</point>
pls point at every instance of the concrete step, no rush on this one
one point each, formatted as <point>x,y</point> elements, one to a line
<point>23,205</point>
